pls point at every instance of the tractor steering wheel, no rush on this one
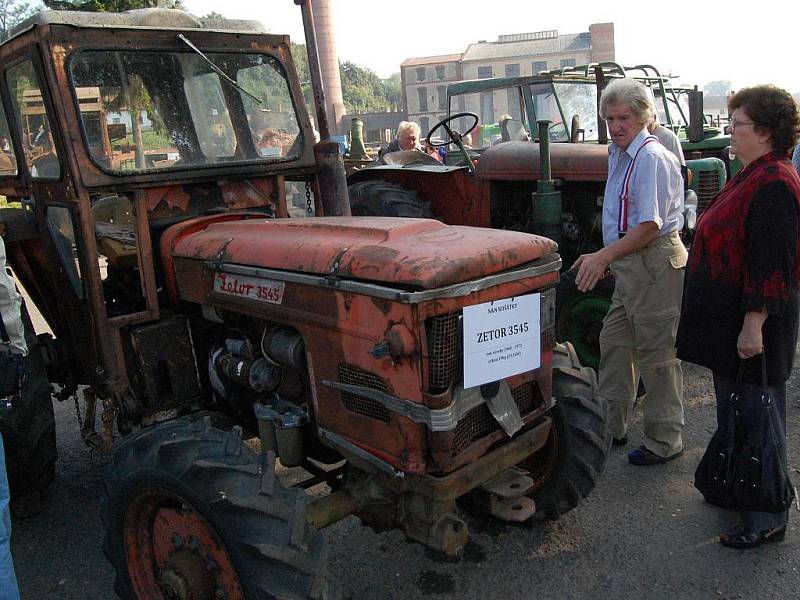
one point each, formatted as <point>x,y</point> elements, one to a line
<point>454,136</point>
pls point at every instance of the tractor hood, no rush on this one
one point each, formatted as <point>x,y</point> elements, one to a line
<point>420,253</point>
<point>519,161</point>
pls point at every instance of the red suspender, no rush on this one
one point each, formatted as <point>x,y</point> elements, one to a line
<point>623,197</point>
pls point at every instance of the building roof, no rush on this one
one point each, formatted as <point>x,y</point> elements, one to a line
<point>571,42</point>
<point>429,60</point>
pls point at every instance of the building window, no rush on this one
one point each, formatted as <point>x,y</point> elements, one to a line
<point>512,70</point>
<point>423,98</point>
<point>515,103</point>
<point>487,107</point>
<point>441,92</point>
<point>567,62</point>
<point>420,73</point>
<point>439,71</point>
<point>538,66</point>
<point>424,123</point>
<point>484,72</point>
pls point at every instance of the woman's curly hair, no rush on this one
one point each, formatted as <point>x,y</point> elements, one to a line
<point>772,110</point>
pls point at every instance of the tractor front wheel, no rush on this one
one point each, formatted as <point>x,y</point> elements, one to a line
<point>566,470</point>
<point>192,513</point>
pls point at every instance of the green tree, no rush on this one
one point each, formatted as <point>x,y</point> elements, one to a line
<point>110,5</point>
<point>362,89</point>
<point>14,11</point>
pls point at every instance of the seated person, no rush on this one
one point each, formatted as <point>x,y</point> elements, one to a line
<point>408,134</point>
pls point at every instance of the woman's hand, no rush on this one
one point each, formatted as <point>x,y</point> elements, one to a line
<point>750,342</point>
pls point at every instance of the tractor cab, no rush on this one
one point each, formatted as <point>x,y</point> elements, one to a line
<point>107,144</point>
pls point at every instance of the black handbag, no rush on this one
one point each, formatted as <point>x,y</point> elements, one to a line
<point>744,466</point>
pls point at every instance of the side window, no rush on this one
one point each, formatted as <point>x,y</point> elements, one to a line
<point>32,120</point>
<point>8,162</point>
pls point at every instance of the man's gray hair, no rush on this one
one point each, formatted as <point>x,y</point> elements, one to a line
<point>632,94</point>
<point>408,125</point>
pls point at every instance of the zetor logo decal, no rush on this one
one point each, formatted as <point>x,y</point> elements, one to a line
<point>252,288</point>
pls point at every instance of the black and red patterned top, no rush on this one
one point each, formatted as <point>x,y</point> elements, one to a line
<point>745,256</point>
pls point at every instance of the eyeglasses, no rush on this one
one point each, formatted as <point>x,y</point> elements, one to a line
<point>734,124</point>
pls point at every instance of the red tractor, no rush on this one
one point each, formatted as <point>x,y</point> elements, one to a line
<point>225,334</point>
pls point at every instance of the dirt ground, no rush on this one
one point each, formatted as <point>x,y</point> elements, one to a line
<point>644,533</point>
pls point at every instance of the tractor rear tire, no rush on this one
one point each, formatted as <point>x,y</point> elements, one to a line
<point>567,469</point>
<point>29,433</point>
<point>384,199</point>
<point>190,511</point>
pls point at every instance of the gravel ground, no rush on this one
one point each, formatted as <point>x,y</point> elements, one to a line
<point>644,533</point>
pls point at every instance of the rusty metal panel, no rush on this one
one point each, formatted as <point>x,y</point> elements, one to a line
<point>167,370</point>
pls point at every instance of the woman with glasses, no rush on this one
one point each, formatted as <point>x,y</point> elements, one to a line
<point>741,288</point>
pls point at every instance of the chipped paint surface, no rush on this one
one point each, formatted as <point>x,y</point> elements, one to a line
<point>409,252</point>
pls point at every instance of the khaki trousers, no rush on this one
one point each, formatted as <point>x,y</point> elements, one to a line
<point>638,338</point>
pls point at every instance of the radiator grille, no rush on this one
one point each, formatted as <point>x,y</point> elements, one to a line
<point>358,404</point>
<point>479,422</point>
<point>707,188</point>
<point>444,351</point>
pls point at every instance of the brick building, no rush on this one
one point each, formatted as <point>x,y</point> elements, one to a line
<point>425,79</point>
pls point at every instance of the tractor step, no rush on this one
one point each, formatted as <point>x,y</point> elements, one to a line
<point>504,496</point>
<point>509,484</point>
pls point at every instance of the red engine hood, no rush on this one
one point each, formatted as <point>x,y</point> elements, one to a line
<point>519,161</point>
<point>410,252</point>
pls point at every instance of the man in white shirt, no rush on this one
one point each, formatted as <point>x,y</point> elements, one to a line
<point>641,217</point>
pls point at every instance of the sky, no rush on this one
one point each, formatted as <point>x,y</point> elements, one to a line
<point>701,41</point>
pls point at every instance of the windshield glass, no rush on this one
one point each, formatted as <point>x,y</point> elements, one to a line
<point>493,107</point>
<point>546,107</point>
<point>579,99</point>
<point>678,104</point>
<point>144,111</point>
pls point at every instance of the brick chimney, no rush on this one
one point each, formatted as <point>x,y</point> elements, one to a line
<point>602,41</point>
<point>329,63</point>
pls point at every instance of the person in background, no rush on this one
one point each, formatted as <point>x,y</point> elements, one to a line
<point>796,158</point>
<point>667,138</point>
<point>408,134</point>
<point>641,215</point>
<point>431,150</point>
<point>10,312</point>
<point>741,293</point>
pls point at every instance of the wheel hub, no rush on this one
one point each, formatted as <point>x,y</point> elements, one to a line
<point>185,577</point>
<point>173,553</point>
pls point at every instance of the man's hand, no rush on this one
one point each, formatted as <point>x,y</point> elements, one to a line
<point>591,269</point>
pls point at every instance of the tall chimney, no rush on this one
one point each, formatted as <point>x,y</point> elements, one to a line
<point>329,62</point>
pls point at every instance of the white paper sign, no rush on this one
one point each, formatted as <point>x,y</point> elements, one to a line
<point>501,338</point>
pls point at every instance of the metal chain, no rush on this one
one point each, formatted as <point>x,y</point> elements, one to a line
<point>308,199</point>
<point>78,413</point>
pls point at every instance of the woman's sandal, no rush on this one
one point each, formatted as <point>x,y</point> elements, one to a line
<point>743,540</point>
